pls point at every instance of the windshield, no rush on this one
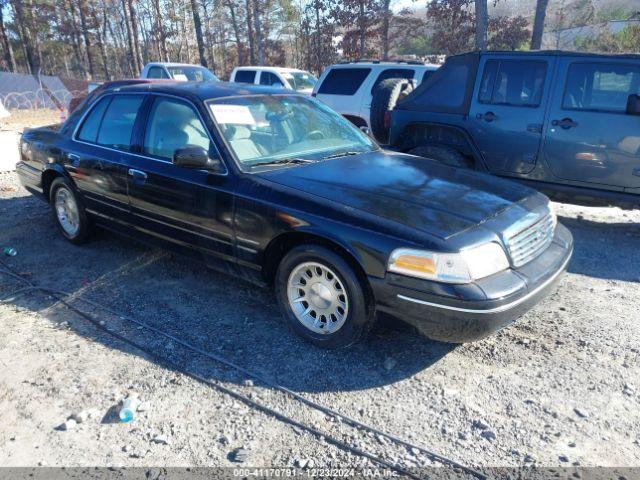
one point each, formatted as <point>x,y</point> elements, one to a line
<point>192,74</point>
<point>262,129</point>
<point>300,80</point>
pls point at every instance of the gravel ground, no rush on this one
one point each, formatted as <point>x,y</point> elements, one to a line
<point>558,388</point>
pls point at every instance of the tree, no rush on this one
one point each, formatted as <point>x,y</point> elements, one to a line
<point>9,58</point>
<point>452,24</point>
<point>508,33</point>
<point>198,28</point>
<point>538,24</point>
<point>482,16</point>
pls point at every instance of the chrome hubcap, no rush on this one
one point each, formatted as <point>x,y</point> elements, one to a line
<point>67,211</point>
<point>317,297</point>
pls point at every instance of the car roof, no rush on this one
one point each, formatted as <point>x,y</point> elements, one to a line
<point>381,64</point>
<point>204,90</point>
<point>171,64</point>
<point>264,68</point>
<point>554,53</point>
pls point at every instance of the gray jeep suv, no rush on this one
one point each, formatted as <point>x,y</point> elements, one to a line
<point>566,123</point>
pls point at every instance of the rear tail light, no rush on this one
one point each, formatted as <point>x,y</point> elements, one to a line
<point>387,119</point>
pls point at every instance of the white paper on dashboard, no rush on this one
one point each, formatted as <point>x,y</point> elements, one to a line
<point>236,114</point>
<point>180,77</point>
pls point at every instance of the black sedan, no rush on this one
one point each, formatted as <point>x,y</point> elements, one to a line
<point>279,189</point>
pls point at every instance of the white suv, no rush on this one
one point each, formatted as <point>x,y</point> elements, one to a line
<point>290,78</point>
<point>348,87</point>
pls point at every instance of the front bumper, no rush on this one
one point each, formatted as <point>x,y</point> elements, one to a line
<point>464,313</point>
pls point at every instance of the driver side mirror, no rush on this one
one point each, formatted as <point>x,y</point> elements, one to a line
<point>196,157</point>
<point>633,104</point>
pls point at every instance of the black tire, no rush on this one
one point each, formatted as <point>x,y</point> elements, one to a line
<point>442,154</point>
<point>385,96</point>
<point>84,226</point>
<point>360,314</point>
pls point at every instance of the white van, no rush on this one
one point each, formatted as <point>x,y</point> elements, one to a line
<point>291,78</point>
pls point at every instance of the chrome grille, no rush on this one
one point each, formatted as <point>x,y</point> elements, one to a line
<point>531,241</point>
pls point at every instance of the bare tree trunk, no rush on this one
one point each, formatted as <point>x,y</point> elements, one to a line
<point>25,36</point>
<point>9,58</point>
<point>136,39</point>
<point>132,52</point>
<point>197,25</point>
<point>161,34</point>
<point>538,24</point>
<point>75,39</point>
<point>257,28</point>
<point>362,30</point>
<point>236,31</point>
<point>482,19</point>
<point>82,6</point>
<point>386,18</point>
<point>101,33</point>
<point>252,50</point>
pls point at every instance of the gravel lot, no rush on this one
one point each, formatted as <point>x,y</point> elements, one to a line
<point>560,387</point>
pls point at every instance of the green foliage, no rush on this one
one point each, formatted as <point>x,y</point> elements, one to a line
<point>625,41</point>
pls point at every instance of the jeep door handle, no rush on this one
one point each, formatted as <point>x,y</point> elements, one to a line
<point>487,117</point>
<point>138,175</point>
<point>565,123</point>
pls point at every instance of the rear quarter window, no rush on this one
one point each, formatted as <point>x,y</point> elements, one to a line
<point>448,90</point>
<point>343,81</point>
<point>245,76</point>
<point>89,129</point>
<point>118,121</point>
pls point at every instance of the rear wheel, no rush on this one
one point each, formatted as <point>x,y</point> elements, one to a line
<point>442,154</point>
<point>68,211</point>
<point>385,96</point>
<point>321,297</point>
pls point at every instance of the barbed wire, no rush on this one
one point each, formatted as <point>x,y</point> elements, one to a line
<point>39,99</point>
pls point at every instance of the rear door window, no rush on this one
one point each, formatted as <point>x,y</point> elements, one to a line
<point>600,86</point>
<point>89,130</point>
<point>343,81</point>
<point>117,124</point>
<point>270,79</point>
<point>513,82</point>
<point>392,73</point>
<point>245,76</point>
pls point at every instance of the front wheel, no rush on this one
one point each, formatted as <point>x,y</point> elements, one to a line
<point>68,211</point>
<point>321,297</point>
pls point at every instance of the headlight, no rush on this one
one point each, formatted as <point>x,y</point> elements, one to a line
<point>462,267</point>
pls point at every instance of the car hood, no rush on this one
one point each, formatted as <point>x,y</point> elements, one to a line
<point>421,194</point>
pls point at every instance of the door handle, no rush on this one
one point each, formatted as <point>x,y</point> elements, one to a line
<point>487,117</point>
<point>138,175</point>
<point>565,123</point>
<point>73,157</point>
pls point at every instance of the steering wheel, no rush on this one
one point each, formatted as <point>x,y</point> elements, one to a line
<point>314,135</point>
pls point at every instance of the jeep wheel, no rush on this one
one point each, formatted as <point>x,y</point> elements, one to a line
<point>445,155</point>
<point>385,96</point>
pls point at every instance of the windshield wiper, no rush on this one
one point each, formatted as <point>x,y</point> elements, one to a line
<point>282,161</point>
<point>341,154</point>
